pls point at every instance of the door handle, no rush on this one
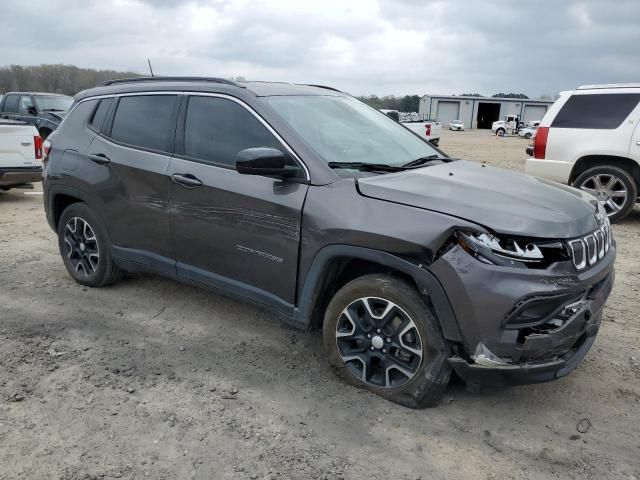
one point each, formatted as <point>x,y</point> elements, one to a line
<point>186,180</point>
<point>99,158</point>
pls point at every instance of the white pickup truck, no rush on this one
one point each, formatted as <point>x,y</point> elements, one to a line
<point>427,129</point>
<point>20,154</point>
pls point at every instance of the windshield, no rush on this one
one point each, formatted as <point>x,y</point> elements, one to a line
<point>53,103</point>
<point>343,129</point>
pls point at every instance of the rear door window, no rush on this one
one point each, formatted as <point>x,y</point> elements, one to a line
<point>11,103</point>
<point>596,111</point>
<point>216,129</point>
<point>145,121</point>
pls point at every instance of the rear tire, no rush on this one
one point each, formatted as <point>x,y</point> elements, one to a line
<point>85,247</point>
<point>614,188</point>
<point>401,355</point>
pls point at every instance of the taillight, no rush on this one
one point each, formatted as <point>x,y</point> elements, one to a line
<point>427,130</point>
<point>46,147</point>
<point>37,145</point>
<point>540,142</point>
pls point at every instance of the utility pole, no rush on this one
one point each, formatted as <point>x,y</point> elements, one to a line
<point>150,69</point>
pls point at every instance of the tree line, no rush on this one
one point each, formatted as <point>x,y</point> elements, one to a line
<point>69,80</point>
<point>408,103</point>
<point>66,79</point>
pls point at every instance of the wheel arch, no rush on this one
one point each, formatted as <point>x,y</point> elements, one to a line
<point>336,265</point>
<point>59,198</point>
<point>588,161</point>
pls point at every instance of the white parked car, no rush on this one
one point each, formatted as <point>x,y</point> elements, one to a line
<point>528,132</point>
<point>590,139</point>
<point>20,154</point>
<point>456,125</point>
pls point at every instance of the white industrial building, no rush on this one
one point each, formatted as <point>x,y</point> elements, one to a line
<point>480,112</point>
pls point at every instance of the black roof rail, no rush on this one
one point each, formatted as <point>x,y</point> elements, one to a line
<point>321,86</point>
<point>170,79</point>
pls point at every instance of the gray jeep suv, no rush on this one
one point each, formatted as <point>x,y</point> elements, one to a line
<point>305,201</point>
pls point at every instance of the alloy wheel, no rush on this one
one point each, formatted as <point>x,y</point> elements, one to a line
<point>83,250</point>
<point>379,342</point>
<point>608,189</point>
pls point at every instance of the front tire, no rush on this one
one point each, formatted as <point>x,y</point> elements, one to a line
<point>500,132</point>
<point>85,247</point>
<point>614,187</point>
<point>381,336</point>
<point>527,136</point>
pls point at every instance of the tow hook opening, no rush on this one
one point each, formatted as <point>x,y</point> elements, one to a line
<point>567,314</point>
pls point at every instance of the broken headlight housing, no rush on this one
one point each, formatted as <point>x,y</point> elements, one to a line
<point>512,252</point>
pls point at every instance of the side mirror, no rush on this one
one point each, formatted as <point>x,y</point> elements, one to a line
<point>32,110</point>
<point>268,162</point>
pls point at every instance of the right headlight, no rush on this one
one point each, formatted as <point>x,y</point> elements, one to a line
<point>512,252</point>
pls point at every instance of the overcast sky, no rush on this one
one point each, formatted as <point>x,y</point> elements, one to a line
<point>361,46</point>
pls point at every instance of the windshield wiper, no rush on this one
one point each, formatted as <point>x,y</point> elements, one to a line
<point>52,110</point>
<point>418,162</point>
<point>366,167</point>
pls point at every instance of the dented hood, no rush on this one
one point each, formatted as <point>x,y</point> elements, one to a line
<point>501,200</point>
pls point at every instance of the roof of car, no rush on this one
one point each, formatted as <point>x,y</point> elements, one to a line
<point>204,84</point>
<point>608,85</point>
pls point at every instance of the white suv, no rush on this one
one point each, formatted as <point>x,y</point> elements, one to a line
<point>590,139</point>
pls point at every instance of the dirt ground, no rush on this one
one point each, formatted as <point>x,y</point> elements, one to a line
<point>154,379</point>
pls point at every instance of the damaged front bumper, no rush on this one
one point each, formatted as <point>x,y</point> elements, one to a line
<point>522,326</point>
<point>530,371</point>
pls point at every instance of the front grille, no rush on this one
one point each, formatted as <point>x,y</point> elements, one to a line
<point>590,249</point>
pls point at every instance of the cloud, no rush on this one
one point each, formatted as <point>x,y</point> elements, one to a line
<point>362,46</point>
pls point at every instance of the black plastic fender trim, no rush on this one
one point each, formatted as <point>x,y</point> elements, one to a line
<point>428,284</point>
<point>58,189</point>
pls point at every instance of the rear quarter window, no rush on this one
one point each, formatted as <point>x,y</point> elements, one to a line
<point>11,103</point>
<point>604,111</point>
<point>69,134</point>
<point>97,119</point>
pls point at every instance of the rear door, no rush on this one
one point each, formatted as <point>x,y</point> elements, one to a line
<point>240,233</point>
<point>131,156</point>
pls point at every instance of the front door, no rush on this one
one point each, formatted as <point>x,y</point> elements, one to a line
<point>239,233</point>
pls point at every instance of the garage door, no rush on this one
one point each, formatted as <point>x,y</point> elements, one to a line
<point>447,111</point>
<point>534,112</point>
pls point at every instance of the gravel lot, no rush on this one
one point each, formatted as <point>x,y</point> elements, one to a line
<point>151,378</point>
